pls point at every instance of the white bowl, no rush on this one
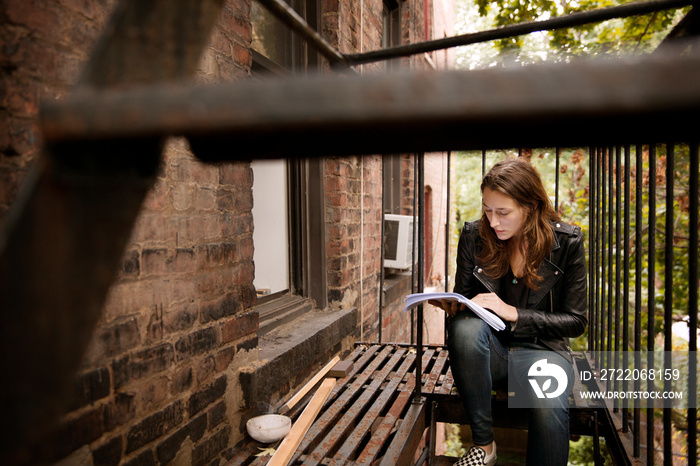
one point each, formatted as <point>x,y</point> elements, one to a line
<point>268,428</point>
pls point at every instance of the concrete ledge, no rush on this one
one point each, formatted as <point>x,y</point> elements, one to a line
<point>291,354</point>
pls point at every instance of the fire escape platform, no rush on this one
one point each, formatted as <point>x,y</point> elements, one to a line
<point>373,415</point>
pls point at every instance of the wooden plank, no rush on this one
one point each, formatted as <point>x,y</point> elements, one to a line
<point>341,369</point>
<point>408,436</point>
<point>353,441</point>
<point>447,383</point>
<point>360,357</point>
<point>436,372</point>
<point>380,436</point>
<point>309,385</point>
<point>351,413</point>
<point>344,398</point>
<point>427,358</point>
<point>301,426</point>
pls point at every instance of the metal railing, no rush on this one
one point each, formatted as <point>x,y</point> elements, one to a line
<point>626,312</point>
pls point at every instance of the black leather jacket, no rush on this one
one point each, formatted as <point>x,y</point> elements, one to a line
<point>555,311</point>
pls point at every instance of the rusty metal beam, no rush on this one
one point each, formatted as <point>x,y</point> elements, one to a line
<point>559,22</point>
<point>63,240</point>
<point>591,102</point>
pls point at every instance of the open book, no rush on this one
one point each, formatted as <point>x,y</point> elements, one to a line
<point>487,316</point>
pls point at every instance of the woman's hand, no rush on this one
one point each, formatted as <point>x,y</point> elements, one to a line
<point>494,303</point>
<point>450,306</point>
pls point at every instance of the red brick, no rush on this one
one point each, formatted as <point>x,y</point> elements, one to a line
<point>142,364</point>
<point>185,260</point>
<point>239,326</point>
<point>120,337</point>
<point>35,15</point>
<point>108,453</point>
<point>211,447</point>
<point>154,394</point>
<point>120,410</point>
<point>76,432</point>
<point>237,174</point>
<point>206,396</point>
<point>205,369</point>
<point>195,429</point>
<point>154,426</point>
<point>182,380</point>
<point>242,55</point>
<point>156,261</point>
<point>197,342</point>
<point>217,414</point>
<point>204,198</point>
<point>224,358</point>
<point>236,26</point>
<point>90,387</point>
<point>180,317</point>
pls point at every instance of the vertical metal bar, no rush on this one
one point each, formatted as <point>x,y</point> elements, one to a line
<point>618,255</point>
<point>447,238</point>
<point>611,231</point>
<point>604,256</point>
<point>626,287</point>
<point>414,289</point>
<point>638,223</point>
<point>693,303</point>
<point>483,163</point>
<point>421,264</point>
<point>668,295</point>
<point>296,203</point>
<point>447,224</point>
<point>598,240</point>
<point>651,298</point>
<point>591,248</point>
<point>556,179</point>
<point>381,271</point>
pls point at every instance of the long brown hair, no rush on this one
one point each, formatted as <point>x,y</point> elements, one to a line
<point>518,179</point>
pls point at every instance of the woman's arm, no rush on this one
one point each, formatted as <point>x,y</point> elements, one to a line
<point>568,318</point>
<point>466,283</point>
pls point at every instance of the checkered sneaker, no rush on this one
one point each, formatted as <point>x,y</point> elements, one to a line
<point>476,457</point>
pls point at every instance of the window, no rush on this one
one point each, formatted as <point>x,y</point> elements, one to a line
<point>288,218</point>
<point>275,48</point>
<point>391,30</point>
<point>392,184</point>
<point>270,220</point>
<point>288,213</point>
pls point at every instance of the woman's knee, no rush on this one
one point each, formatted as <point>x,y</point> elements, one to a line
<point>465,332</point>
<point>550,421</point>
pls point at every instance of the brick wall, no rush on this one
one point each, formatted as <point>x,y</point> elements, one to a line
<point>44,46</point>
<point>353,214</point>
<point>159,383</point>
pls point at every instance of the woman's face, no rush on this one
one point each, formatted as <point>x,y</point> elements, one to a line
<point>505,216</point>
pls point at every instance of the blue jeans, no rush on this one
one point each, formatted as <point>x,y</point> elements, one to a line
<point>479,363</point>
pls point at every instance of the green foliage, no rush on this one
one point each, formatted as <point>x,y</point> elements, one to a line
<point>581,452</point>
<point>633,35</point>
<point>453,441</point>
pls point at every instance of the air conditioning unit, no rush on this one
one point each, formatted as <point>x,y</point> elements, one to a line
<point>398,241</point>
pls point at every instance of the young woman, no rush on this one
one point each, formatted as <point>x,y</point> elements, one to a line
<point>524,264</point>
